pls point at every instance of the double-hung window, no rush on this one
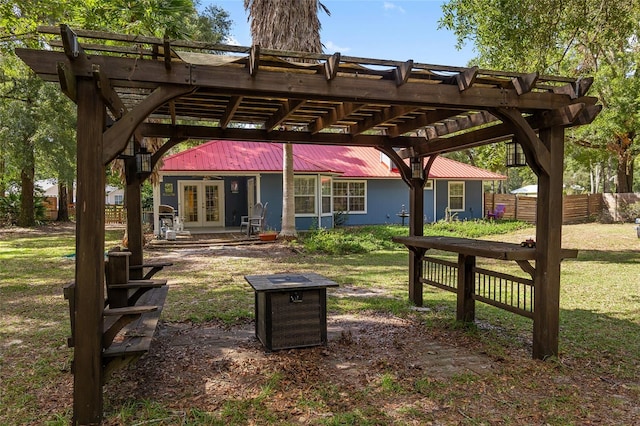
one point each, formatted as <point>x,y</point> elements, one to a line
<point>304,193</point>
<point>326,194</point>
<point>456,196</point>
<point>350,196</point>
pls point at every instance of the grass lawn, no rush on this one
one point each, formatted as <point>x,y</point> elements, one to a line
<point>596,378</point>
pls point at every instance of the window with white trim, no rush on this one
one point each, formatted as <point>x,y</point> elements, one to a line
<point>325,183</point>
<point>118,199</point>
<point>304,194</point>
<point>350,196</point>
<point>456,196</point>
<point>428,185</point>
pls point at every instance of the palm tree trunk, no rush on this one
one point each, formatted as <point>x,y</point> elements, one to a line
<point>288,202</point>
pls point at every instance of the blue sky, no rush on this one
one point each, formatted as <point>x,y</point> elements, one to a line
<point>394,29</point>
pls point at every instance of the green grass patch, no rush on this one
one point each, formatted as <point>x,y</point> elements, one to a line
<point>599,332</point>
<point>365,239</point>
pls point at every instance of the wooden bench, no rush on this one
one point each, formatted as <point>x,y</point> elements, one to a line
<point>131,314</point>
<point>154,268</point>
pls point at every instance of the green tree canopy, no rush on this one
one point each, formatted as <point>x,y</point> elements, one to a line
<point>570,37</point>
<point>37,124</point>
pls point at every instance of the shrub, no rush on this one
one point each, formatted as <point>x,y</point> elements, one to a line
<point>364,239</point>
<point>10,209</point>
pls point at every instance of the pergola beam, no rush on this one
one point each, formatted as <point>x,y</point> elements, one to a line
<point>299,85</point>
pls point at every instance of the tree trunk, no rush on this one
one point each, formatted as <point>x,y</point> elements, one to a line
<point>625,173</point>
<point>63,203</point>
<point>27,174</point>
<point>288,202</point>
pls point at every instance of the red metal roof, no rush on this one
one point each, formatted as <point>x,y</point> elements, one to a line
<point>346,161</point>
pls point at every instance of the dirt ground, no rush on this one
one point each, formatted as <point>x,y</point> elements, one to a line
<point>385,369</point>
<point>376,369</point>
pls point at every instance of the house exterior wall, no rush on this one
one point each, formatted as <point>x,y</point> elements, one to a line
<point>385,199</point>
<point>235,202</point>
<point>473,208</point>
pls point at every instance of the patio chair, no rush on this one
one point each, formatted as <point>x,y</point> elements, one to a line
<point>497,213</point>
<point>256,222</point>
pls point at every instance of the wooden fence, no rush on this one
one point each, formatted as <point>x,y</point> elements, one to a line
<point>575,208</point>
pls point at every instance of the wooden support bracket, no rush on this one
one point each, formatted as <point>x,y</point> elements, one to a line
<point>331,66</point>
<point>403,72</point>
<point>583,85</point>
<point>167,53</point>
<point>230,110</point>
<point>588,114</point>
<point>568,89</point>
<point>254,60</point>
<point>525,83</point>
<point>67,82</point>
<point>126,316</point>
<point>538,155</point>
<point>70,42</point>
<point>108,95</point>
<point>466,78</point>
<point>527,267</point>
<point>116,137</point>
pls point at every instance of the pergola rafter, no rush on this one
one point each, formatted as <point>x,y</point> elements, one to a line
<point>196,90</point>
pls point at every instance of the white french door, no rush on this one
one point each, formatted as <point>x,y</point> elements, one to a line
<point>201,203</point>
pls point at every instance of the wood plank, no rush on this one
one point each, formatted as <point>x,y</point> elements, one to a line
<point>141,331</point>
<point>137,284</point>
<point>482,248</point>
<point>89,276</point>
<point>331,66</point>
<point>299,85</point>
<point>546,320</point>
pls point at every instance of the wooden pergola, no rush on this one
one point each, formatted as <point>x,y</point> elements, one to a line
<point>132,87</point>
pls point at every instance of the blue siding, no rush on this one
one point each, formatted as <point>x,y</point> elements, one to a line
<point>271,192</point>
<point>472,201</point>
<point>385,198</point>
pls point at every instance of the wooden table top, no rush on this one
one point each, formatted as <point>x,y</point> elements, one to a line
<point>292,281</point>
<point>482,248</point>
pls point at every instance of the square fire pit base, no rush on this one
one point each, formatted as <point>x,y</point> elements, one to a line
<point>290,310</point>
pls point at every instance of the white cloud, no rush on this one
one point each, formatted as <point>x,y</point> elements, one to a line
<point>332,47</point>
<point>231,40</point>
<point>392,6</point>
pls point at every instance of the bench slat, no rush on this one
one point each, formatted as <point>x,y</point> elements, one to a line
<point>138,284</point>
<point>151,265</point>
<point>132,310</point>
<point>139,333</point>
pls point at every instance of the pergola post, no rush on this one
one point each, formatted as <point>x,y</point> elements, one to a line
<point>134,217</point>
<point>416,228</point>
<point>546,318</point>
<point>89,276</point>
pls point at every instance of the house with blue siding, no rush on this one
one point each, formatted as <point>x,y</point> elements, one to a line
<point>213,185</point>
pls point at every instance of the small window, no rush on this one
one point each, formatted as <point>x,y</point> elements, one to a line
<point>456,196</point>
<point>350,196</point>
<point>326,195</point>
<point>118,199</point>
<point>428,185</point>
<point>304,193</point>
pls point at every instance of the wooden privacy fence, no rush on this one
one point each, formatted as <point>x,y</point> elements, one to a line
<point>575,208</point>
<point>115,213</point>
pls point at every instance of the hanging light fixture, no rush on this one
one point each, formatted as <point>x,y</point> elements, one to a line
<point>416,168</point>
<point>515,155</point>
<point>129,150</point>
<point>143,161</point>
